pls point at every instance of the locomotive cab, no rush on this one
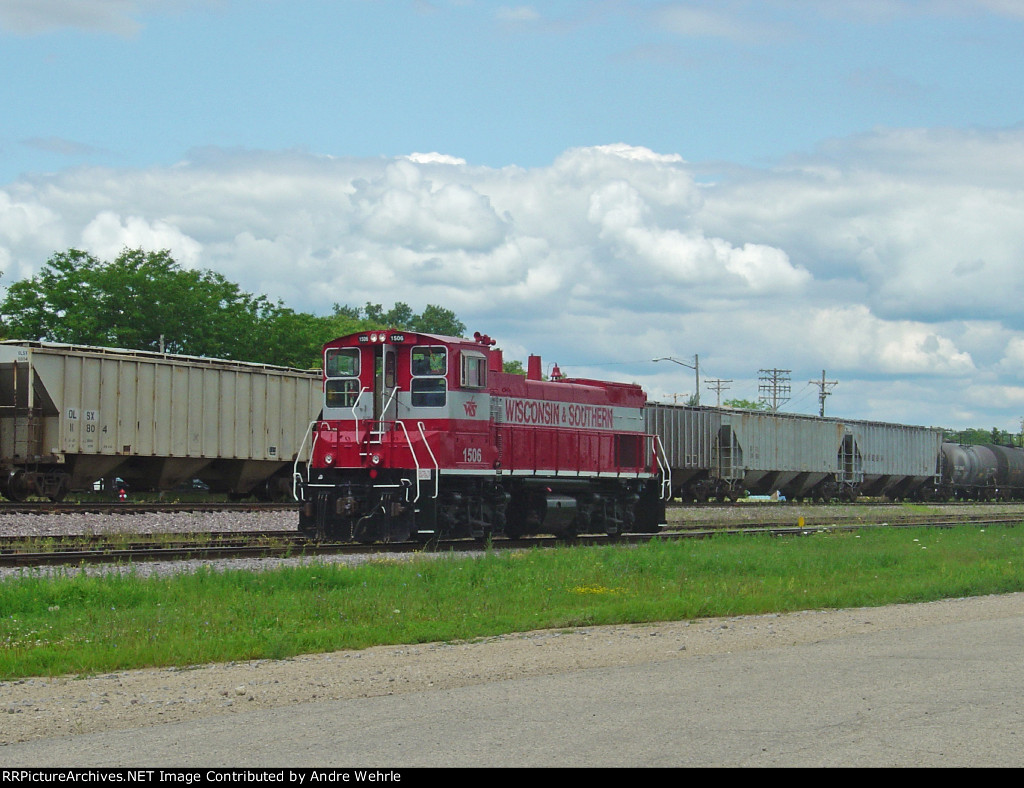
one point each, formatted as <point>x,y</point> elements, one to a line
<point>395,405</point>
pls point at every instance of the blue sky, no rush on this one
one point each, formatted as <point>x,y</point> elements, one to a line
<point>775,184</point>
<point>138,83</point>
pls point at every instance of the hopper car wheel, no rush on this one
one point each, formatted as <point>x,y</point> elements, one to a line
<point>60,493</point>
<point>16,487</point>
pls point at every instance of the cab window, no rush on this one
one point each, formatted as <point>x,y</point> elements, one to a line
<point>429,388</point>
<point>341,393</point>
<point>341,389</point>
<point>474,370</point>
<point>342,362</point>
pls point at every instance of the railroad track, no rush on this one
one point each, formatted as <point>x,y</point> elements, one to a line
<point>861,502</point>
<point>138,507</point>
<point>149,507</point>
<point>65,550</point>
<point>114,549</point>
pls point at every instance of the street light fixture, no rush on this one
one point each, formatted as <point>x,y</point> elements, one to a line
<point>695,366</point>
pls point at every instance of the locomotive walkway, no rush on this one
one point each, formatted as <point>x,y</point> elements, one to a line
<point>940,684</point>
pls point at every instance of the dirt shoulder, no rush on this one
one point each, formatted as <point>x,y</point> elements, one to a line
<point>41,708</point>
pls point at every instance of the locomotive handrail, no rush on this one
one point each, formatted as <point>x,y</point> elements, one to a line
<point>437,468</point>
<point>666,471</point>
<point>355,418</point>
<point>296,476</point>
<point>384,409</point>
<point>415,459</point>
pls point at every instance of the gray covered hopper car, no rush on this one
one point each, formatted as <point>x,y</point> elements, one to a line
<point>71,415</point>
<point>725,453</point>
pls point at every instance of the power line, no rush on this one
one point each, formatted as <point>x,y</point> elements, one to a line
<point>824,389</point>
<point>775,389</point>
<point>718,386</point>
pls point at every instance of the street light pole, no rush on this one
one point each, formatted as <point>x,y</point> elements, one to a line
<point>695,366</point>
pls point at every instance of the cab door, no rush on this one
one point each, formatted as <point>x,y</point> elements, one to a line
<point>385,384</point>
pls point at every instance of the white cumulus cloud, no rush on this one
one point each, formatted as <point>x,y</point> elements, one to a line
<point>108,234</point>
<point>867,257</point>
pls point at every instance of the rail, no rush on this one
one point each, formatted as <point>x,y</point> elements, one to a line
<point>24,551</point>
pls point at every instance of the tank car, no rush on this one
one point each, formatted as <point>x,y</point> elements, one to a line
<point>982,472</point>
<point>425,436</point>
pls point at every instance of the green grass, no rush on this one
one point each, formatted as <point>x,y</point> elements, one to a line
<point>80,624</point>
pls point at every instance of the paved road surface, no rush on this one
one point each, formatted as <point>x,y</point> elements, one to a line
<point>949,694</point>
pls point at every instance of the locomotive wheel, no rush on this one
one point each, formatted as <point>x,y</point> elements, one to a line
<point>525,514</point>
<point>399,530</point>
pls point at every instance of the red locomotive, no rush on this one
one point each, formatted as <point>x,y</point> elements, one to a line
<point>425,436</point>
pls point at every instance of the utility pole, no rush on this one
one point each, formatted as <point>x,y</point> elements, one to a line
<point>695,366</point>
<point>775,387</point>
<point>718,386</point>
<point>824,389</point>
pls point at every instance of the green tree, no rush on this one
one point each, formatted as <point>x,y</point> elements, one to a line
<point>977,436</point>
<point>292,339</point>
<point>434,319</point>
<point>438,320</point>
<point>146,301</point>
<point>745,404</point>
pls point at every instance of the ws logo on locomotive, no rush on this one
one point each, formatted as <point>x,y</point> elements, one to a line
<point>425,436</point>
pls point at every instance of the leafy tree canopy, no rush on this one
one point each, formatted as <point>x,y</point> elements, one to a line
<point>974,436</point>
<point>433,320</point>
<point>140,300</point>
<point>146,301</point>
<point>745,404</point>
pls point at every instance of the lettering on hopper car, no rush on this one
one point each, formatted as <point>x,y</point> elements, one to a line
<point>558,414</point>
